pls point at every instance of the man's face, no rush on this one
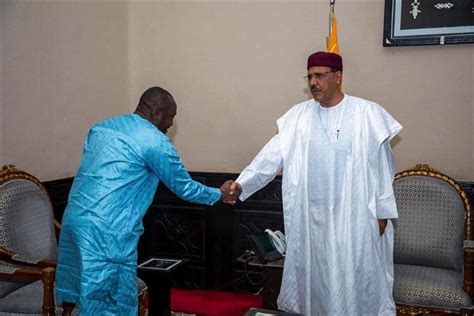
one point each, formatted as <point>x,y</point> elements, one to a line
<point>324,84</point>
<point>163,119</point>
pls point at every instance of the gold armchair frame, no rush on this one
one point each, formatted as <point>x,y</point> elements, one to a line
<point>468,286</point>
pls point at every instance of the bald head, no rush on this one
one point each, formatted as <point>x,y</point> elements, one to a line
<point>157,106</point>
<point>154,97</point>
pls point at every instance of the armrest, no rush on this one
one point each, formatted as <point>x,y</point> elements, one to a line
<point>469,267</point>
<point>13,258</point>
<point>23,273</point>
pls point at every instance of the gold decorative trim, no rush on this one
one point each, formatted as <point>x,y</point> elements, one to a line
<point>421,167</point>
<point>406,310</point>
<point>10,172</point>
<point>403,310</point>
<point>427,171</point>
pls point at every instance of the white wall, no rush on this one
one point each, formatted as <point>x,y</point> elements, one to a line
<point>236,67</point>
<point>65,66</point>
<point>233,66</point>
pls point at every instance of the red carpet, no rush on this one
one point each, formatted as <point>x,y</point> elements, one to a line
<point>213,303</point>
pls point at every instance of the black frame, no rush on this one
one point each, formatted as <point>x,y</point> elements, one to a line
<point>399,32</point>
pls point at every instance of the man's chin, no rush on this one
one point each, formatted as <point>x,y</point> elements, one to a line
<point>316,97</point>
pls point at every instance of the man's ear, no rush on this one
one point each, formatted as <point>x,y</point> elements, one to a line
<point>339,77</point>
<point>155,114</point>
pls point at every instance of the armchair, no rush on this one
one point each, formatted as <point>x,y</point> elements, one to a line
<point>434,247</point>
<point>28,248</point>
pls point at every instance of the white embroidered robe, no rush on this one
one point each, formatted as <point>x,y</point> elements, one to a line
<point>333,193</point>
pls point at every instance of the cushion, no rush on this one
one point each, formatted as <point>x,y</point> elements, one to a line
<point>430,287</point>
<point>27,301</point>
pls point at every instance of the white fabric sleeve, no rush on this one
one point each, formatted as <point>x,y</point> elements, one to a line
<point>263,169</point>
<point>385,198</point>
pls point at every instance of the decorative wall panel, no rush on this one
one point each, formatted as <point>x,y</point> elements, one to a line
<point>179,232</point>
<point>211,237</point>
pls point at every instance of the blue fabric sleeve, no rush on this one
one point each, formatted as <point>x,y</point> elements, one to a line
<point>168,166</point>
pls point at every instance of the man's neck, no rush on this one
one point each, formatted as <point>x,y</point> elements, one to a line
<point>141,114</point>
<point>335,100</point>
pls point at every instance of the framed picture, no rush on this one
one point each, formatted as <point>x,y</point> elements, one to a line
<point>428,22</point>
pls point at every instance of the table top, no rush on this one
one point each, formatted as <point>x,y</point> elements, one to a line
<point>158,265</point>
<point>253,261</point>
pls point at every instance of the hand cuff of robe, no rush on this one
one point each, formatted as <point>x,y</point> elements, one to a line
<point>214,196</point>
<point>386,208</point>
<point>247,188</point>
<point>244,195</point>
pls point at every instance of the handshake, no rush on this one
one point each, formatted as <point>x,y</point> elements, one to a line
<point>230,192</point>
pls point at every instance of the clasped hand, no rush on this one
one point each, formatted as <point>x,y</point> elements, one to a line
<point>230,192</point>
